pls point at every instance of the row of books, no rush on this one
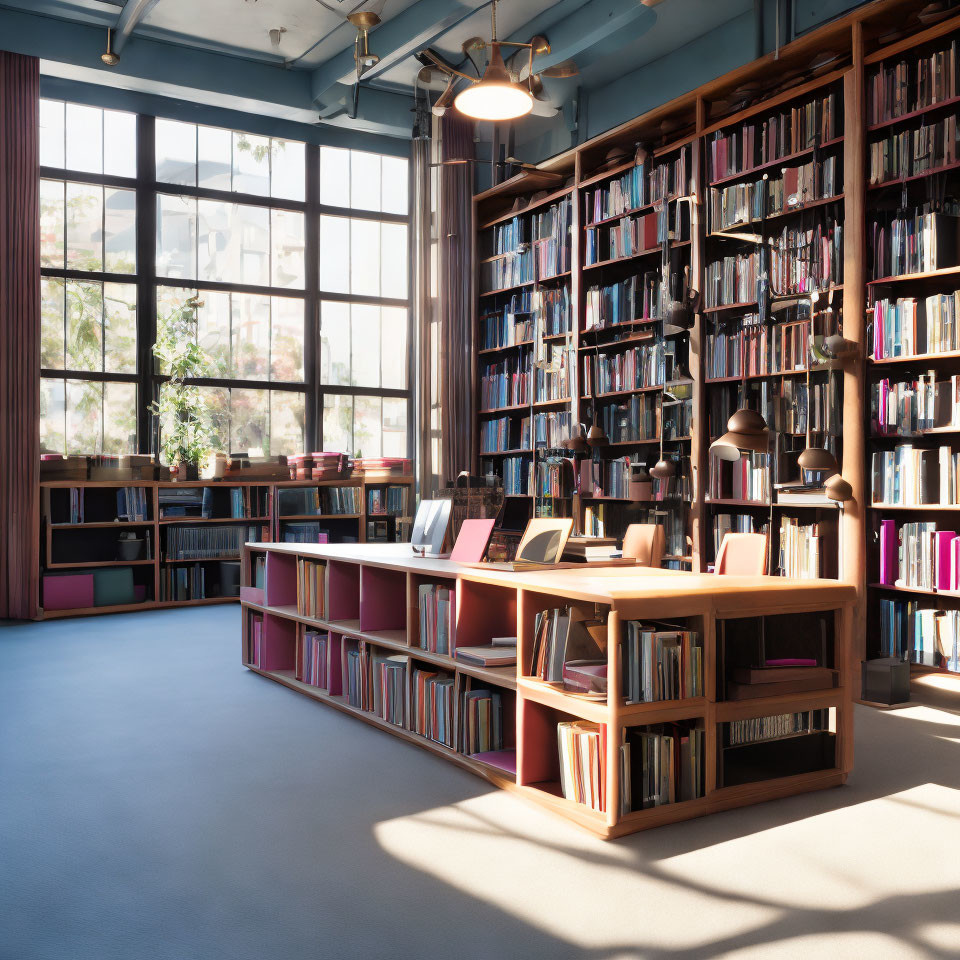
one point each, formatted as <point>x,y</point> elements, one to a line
<point>481,722</point>
<point>919,555</point>
<point>183,583</point>
<point>551,238</point>
<point>553,376</point>
<point>500,434</point>
<point>902,407</point>
<point>626,237</point>
<point>745,479</point>
<point>911,476</point>
<point>205,502</point>
<point>661,764</point>
<point>389,687</point>
<point>438,618</point>
<point>391,500</point>
<point>550,480</point>
<point>923,635</point>
<point>635,298</point>
<point>606,478</point>
<point>306,501</point>
<point>510,236</point>
<point>581,747</point>
<point>724,523</point>
<point>776,727</point>
<point>561,636</point>
<point>305,531</point>
<point>311,580</point>
<point>661,662</point>
<point>906,86</point>
<point>210,542</point>
<point>780,135</point>
<point>637,418</point>
<point>431,709</point>
<point>505,328</point>
<point>753,349</point>
<point>907,326</point>
<point>800,549</point>
<point>311,662</point>
<point>804,260</point>
<point>915,242</point>
<point>742,203</point>
<point>508,270</point>
<point>131,504</point>
<point>643,184</point>
<point>517,475</point>
<point>640,366</point>
<point>505,383</point>
<point>551,429</point>
<point>546,309</point>
<point>908,153</point>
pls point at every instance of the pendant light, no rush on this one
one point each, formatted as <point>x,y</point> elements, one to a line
<point>495,96</point>
<point>817,459</point>
<point>746,430</point>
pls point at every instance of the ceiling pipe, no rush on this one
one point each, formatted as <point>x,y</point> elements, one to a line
<point>132,13</point>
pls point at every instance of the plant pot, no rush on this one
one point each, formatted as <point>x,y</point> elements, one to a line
<point>186,471</point>
<point>130,549</point>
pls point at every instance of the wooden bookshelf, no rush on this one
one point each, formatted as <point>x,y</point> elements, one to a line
<point>372,597</point>
<point>82,548</point>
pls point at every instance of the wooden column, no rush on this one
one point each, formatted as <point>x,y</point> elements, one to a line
<point>853,532</point>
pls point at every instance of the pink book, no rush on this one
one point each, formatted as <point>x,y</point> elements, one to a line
<point>72,591</point>
<point>504,759</point>
<point>955,564</point>
<point>472,541</point>
<point>943,541</point>
<point>889,552</point>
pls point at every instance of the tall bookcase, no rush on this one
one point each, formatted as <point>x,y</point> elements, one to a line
<point>824,181</point>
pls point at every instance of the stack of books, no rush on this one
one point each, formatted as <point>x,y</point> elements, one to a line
<point>438,618</point>
<point>389,683</point>
<point>312,661</point>
<point>582,750</point>
<point>642,366</point>
<point>724,523</point>
<point>660,764</point>
<point>778,678</point>
<point>561,635</point>
<point>310,587</point>
<point>661,663</point>
<point>590,549</point>
<point>481,722</point>
<point>432,707</point>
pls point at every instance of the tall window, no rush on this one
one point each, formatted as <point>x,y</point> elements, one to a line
<point>297,254</point>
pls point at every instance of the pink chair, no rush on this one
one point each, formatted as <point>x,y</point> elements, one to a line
<point>645,543</point>
<point>742,555</point>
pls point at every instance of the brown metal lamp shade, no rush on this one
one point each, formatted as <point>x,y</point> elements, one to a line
<point>663,469</point>
<point>836,488</point>
<point>818,459</point>
<point>596,437</point>
<point>746,430</point>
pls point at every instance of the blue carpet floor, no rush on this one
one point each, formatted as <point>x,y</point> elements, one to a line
<point>159,801</point>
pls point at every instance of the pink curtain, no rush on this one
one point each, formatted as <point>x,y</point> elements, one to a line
<point>19,335</point>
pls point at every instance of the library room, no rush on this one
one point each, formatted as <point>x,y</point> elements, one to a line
<point>477,479</point>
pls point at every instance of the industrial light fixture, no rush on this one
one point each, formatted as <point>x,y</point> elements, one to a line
<point>495,96</point>
<point>746,430</point>
<point>838,489</point>
<point>110,58</point>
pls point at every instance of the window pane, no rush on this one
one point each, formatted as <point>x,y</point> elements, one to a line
<point>213,330</point>
<point>365,345</point>
<point>84,325</point>
<point>176,152</point>
<point>394,427</point>
<point>51,223</point>
<point>288,170</point>
<point>84,138</point>
<point>393,258</point>
<point>250,337</point>
<point>84,417</point>
<point>217,402</point>
<point>364,180</point>
<point>233,242</point>
<point>335,254</point>
<point>120,137</point>
<point>51,133</point>
<point>337,423</point>
<point>365,257</point>
<point>84,227</point>
<point>214,147</point>
<point>120,230</point>
<point>120,328</point>
<point>251,164</point>
<point>286,422</point>
<point>176,237</point>
<point>52,413</point>
<point>287,242</point>
<point>393,347</point>
<point>119,418</point>
<point>169,300</point>
<point>249,419</point>
<point>395,182</point>
<point>286,339</point>
<point>51,324</point>
<point>334,176</point>
<point>366,427</point>
<point>335,343</point>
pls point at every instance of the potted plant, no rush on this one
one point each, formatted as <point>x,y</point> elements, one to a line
<point>186,429</point>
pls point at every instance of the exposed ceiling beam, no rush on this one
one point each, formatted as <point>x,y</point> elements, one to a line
<point>413,29</point>
<point>132,13</point>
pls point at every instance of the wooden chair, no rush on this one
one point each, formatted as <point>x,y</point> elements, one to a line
<point>742,555</point>
<point>645,543</point>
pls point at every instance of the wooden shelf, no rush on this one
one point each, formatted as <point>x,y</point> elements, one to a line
<point>104,525</point>
<point>913,277</point>
<point>897,181</point>
<point>724,232</point>
<point>914,114</point>
<point>99,563</point>
<point>948,594</point>
<point>770,164</point>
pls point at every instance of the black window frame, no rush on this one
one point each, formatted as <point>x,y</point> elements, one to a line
<point>147,189</point>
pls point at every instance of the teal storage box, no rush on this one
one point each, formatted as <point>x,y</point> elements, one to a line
<point>112,586</point>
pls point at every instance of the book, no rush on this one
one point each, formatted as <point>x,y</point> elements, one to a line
<point>438,618</point>
<point>561,635</point>
<point>661,662</point>
<point>472,541</point>
<point>661,764</point>
<point>582,754</point>
<point>481,722</point>
<point>491,655</point>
